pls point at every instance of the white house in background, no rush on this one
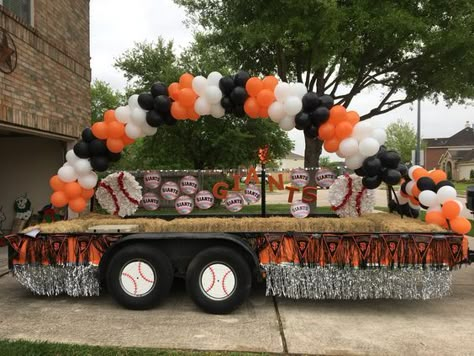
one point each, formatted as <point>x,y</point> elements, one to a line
<point>292,160</point>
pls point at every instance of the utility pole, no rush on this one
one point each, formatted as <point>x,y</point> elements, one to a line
<point>418,134</point>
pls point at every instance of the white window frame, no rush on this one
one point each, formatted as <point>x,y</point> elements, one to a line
<point>32,12</point>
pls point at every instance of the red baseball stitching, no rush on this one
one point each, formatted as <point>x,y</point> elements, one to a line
<point>133,280</point>
<point>213,279</point>
<point>109,189</point>
<point>122,189</point>
<point>347,196</point>
<point>141,273</point>
<point>223,280</point>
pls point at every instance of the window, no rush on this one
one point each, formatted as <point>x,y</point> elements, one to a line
<point>21,8</point>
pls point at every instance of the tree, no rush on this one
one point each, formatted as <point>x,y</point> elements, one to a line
<point>405,49</point>
<point>401,137</point>
<point>202,144</point>
<point>103,97</point>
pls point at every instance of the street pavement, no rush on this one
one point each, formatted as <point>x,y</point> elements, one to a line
<point>263,324</point>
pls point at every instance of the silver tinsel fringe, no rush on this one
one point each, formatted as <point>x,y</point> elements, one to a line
<point>340,283</point>
<point>73,280</point>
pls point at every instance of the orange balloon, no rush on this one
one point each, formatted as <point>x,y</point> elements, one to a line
<point>419,172</point>
<point>460,225</point>
<point>78,204</point>
<point>187,97</point>
<point>127,140</point>
<point>332,145</point>
<point>193,115</point>
<point>438,175</point>
<point>263,112</point>
<point>253,86</point>
<point>178,111</point>
<point>435,217</point>
<point>186,80</point>
<point>115,129</point>
<point>115,145</point>
<point>327,131</point>
<point>56,183</point>
<point>343,130</point>
<point>59,199</point>
<point>414,201</point>
<point>415,191</point>
<point>72,190</point>
<point>100,130</point>
<point>173,91</point>
<point>352,117</point>
<point>405,195</point>
<point>109,116</point>
<point>251,107</point>
<point>265,98</point>
<point>337,114</point>
<point>451,209</point>
<point>270,82</point>
<point>87,193</point>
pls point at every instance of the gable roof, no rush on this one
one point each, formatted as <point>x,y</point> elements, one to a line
<point>462,155</point>
<point>465,137</point>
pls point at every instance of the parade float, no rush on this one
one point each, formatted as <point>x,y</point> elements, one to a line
<point>352,253</point>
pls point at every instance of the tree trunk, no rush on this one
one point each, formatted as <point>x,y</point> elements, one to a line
<point>312,151</point>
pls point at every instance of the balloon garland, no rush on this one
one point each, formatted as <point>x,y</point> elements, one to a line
<point>288,104</point>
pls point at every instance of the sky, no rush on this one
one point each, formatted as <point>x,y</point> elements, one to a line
<point>116,25</point>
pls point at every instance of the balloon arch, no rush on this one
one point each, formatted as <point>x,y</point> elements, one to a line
<point>290,105</point>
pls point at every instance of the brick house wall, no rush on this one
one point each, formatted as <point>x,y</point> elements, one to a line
<point>432,156</point>
<point>50,89</point>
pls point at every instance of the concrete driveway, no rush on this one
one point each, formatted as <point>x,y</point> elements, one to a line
<point>265,324</point>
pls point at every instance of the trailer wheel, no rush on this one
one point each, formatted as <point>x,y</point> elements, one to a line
<point>139,276</point>
<point>218,280</point>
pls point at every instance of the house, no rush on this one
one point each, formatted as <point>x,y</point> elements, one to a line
<point>44,93</point>
<point>292,160</point>
<point>454,154</point>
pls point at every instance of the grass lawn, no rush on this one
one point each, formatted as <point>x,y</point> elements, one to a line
<point>461,187</point>
<point>26,348</point>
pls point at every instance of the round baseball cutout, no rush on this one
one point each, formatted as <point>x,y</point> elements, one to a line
<point>217,281</point>
<point>184,205</point>
<point>300,209</point>
<point>188,184</point>
<point>150,201</point>
<point>204,199</point>
<point>152,179</point>
<point>299,177</point>
<point>234,203</point>
<point>252,193</point>
<point>169,190</point>
<point>325,177</point>
<point>137,278</point>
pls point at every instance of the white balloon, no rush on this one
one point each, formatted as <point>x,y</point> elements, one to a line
<point>461,205</point>
<point>202,106</point>
<point>82,166</point>
<point>413,206</point>
<point>138,117</point>
<point>362,129</point>
<point>213,78</point>
<point>349,147</point>
<point>88,181</point>
<point>200,85</point>
<point>133,131</point>
<point>355,161</point>
<point>149,130</point>
<point>298,90</point>
<point>436,207</point>
<point>446,193</point>
<point>339,154</point>
<point>409,187</point>
<point>287,123</point>
<point>67,173</point>
<point>401,199</point>
<point>123,114</point>
<point>71,157</point>
<point>411,170</point>
<point>428,198</point>
<point>293,105</point>
<point>276,111</point>
<point>217,111</point>
<point>213,94</point>
<point>369,146</point>
<point>133,102</point>
<point>380,135</point>
<point>282,90</point>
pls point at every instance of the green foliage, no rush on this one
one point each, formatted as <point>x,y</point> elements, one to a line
<point>401,137</point>
<point>471,174</point>
<point>103,97</point>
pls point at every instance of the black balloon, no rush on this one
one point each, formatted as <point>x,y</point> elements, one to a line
<point>372,166</point>
<point>238,95</point>
<point>302,121</point>
<point>145,101</point>
<point>311,131</point>
<point>391,176</point>
<point>226,85</point>
<point>240,79</point>
<point>87,135</point>
<point>154,119</point>
<point>114,157</point>
<point>327,101</point>
<point>426,183</point>
<point>159,89</point>
<point>226,103</point>
<point>162,103</point>
<point>371,182</point>
<point>310,101</point>
<point>81,149</point>
<point>360,172</point>
<point>97,148</point>
<point>402,169</point>
<point>170,120</point>
<point>414,213</point>
<point>239,111</point>
<point>100,163</point>
<point>390,159</point>
<point>319,116</point>
<point>443,183</point>
<point>403,187</point>
<point>381,151</point>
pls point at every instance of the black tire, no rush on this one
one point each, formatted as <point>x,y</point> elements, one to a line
<point>125,288</point>
<point>219,300</point>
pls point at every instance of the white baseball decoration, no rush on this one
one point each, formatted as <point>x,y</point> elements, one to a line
<point>204,199</point>
<point>169,190</point>
<point>218,281</point>
<point>152,179</point>
<point>184,205</point>
<point>150,201</point>
<point>299,177</point>
<point>252,193</point>
<point>137,278</point>
<point>188,184</point>
<point>300,209</point>
<point>234,203</point>
<point>325,177</point>
<point>349,198</point>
